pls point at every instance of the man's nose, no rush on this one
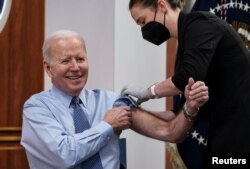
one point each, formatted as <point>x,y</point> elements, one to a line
<point>74,64</point>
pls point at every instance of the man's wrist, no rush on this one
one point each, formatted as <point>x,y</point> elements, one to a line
<point>189,116</point>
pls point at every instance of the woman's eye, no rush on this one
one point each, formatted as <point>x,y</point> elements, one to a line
<point>141,22</point>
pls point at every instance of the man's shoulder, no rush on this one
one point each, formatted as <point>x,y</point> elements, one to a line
<point>43,96</point>
<point>102,92</point>
<point>100,97</point>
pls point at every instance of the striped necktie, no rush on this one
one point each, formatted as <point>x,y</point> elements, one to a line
<point>81,123</point>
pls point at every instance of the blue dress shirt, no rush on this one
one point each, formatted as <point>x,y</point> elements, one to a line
<point>48,133</point>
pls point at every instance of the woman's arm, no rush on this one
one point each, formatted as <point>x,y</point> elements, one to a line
<point>176,129</point>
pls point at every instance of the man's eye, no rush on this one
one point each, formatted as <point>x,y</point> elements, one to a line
<point>65,61</point>
<point>80,59</point>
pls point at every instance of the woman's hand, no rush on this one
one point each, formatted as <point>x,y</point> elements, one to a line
<point>142,94</point>
<point>196,94</point>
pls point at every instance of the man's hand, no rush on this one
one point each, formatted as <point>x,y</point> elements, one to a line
<point>140,93</point>
<point>119,118</point>
<point>196,94</point>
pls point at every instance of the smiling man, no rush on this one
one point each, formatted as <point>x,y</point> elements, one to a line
<point>65,61</point>
<point>52,135</point>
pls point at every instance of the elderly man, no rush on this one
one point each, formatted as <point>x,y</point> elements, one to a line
<point>69,126</point>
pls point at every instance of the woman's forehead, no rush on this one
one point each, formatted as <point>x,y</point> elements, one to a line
<point>139,11</point>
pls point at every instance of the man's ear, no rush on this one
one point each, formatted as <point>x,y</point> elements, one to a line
<point>47,68</point>
<point>162,5</point>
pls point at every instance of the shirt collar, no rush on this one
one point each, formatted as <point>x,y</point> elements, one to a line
<point>65,98</point>
<point>82,96</point>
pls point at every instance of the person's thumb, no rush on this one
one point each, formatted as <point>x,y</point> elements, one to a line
<point>190,83</point>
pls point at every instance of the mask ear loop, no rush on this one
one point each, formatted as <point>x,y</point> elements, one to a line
<point>164,19</point>
<point>155,14</point>
<point>164,16</point>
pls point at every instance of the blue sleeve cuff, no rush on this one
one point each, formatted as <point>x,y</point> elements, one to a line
<point>105,129</point>
<point>125,101</point>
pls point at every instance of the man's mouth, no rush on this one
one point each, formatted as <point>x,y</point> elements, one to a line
<point>74,77</point>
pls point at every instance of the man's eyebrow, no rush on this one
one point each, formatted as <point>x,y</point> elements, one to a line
<point>63,57</point>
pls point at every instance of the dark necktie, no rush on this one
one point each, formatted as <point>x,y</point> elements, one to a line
<point>81,123</point>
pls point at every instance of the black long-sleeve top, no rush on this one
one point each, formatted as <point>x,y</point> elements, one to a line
<point>211,51</point>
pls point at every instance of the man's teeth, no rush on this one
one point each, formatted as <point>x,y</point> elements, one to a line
<point>73,78</point>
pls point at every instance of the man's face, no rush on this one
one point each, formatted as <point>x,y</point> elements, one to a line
<point>68,68</point>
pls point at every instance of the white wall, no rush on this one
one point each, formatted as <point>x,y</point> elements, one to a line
<point>118,55</point>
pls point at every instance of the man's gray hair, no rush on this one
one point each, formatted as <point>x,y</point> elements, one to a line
<point>61,34</point>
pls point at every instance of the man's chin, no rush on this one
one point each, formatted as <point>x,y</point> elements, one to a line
<point>76,87</point>
<point>75,92</point>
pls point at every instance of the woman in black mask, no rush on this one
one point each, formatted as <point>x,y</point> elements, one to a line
<point>209,50</point>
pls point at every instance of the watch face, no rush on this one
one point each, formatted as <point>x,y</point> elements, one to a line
<point>5,6</point>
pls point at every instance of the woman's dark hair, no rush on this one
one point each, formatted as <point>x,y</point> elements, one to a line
<point>153,3</point>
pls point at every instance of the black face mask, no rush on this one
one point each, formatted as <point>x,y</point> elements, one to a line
<point>155,32</point>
